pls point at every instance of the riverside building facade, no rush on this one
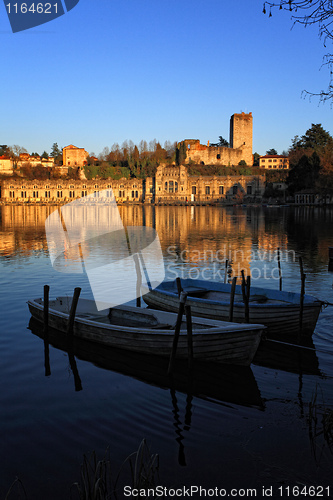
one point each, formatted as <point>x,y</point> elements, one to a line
<point>171,185</point>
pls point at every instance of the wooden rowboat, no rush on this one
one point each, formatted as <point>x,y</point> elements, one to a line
<point>279,311</point>
<point>151,332</point>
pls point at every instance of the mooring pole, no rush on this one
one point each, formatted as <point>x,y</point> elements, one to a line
<point>179,286</point>
<point>279,266</point>
<point>189,336</point>
<point>46,308</point>
<point>301,266</point>
<point>246,295</point>
<point>182,301</point>
<point>232,298</point>
<point>302,302</point>
<point>138,280</point>
<point>247,307</point>
<point>70,326</point>
<point>243,286</point>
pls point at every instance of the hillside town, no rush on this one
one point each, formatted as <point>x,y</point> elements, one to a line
<point>186,172</point>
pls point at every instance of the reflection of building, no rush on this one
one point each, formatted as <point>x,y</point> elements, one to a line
<point>198,236</point>
<point>74,157</point>
<point>240,145</point>
<point>274,162</point>
<point>172,185</point>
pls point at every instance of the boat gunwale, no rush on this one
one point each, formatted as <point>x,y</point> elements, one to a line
<point>233,327</point>
<point>309,300</point>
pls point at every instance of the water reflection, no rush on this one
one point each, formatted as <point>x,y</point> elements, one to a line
<point>207,230</point>
<point>294,355</point>
<point>223,434</point>
<point>214,382</point>
<point>225,386</point>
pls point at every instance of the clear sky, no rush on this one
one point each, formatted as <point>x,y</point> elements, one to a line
<point>110,70</point>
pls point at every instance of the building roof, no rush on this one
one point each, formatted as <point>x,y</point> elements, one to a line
<point>273,156</point>
<point>72,147</point>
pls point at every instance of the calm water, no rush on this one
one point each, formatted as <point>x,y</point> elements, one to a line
<point>227,429</point>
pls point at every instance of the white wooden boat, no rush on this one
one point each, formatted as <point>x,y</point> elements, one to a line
<point>279,311</point>
<point>151,332</point>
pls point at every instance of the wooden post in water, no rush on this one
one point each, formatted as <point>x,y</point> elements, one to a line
<point>179,286</point>
<point>247,308</point>
<point>302,302</point>
<point>243,286</point>
<point>301,266</point>
<point>138,280</point>
<point>303,276</point>
<point>189,336</point>
<point>232,298</point>
<point>47,365</point>
<point>246,296</point>
<point>46,308</point>
<point>226,271</point>
<point>70,326</point>
<point>182,301</point>
<point>279,266</point>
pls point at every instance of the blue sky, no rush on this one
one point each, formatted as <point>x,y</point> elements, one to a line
<point>110,71</point>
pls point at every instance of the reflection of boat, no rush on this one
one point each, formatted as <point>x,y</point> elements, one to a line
<point>298,357</point>
<point>151,332</point>
<point>279,311</point>
<point>211,381</point>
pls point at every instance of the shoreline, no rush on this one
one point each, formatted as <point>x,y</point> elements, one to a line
<point>170,204</point>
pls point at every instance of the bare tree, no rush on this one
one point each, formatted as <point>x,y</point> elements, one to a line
<point>15,152</point>
<point>309,13</point>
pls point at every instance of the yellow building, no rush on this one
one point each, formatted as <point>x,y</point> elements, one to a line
<point>33,161</point>
<point>6,165</point>
<point>280,162</point>
<point>74,157</point>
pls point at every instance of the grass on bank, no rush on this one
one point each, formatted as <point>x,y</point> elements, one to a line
<point>97,479</point>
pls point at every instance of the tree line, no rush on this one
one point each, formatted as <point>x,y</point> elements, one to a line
<point>130,160</point>
<point>310,159</point>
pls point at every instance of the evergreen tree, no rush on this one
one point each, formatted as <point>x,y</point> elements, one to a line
<point>56,153</point>
<point>305,173</point>
<point>271,151</point>
<point>181,153</point>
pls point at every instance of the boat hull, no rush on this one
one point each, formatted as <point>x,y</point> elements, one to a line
<point>281,314</point>
<point>222,343</point>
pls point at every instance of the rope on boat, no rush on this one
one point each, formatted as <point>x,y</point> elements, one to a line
<point>297,345</point>
<point>325,303</point>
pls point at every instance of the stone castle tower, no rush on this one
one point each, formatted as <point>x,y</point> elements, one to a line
<point>240,148</point>
<point>241,126</point>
